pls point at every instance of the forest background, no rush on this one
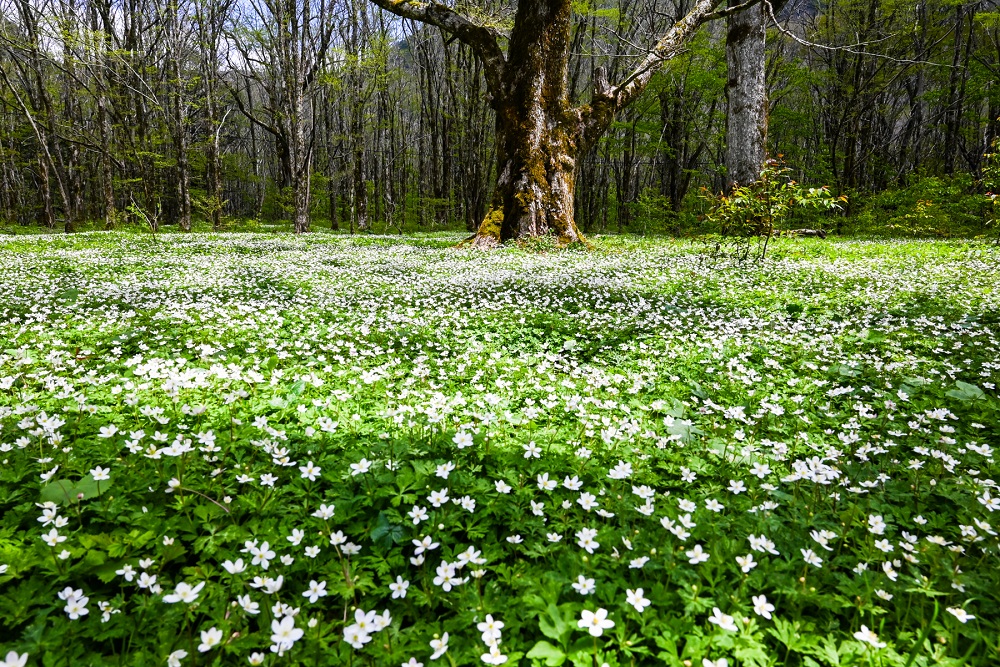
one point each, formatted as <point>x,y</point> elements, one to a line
<point>186,114</point>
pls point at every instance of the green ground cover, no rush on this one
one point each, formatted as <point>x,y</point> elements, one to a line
<point>321,450</point>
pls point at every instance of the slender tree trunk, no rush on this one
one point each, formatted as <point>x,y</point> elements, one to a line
<point>45,193</point>
<point>181,147</point>
<point>214,161</point>
<point>746,120</point>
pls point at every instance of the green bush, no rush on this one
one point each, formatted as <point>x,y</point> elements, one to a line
<point>929,207</point>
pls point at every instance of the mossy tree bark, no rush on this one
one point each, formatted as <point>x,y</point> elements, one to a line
<point>540,132</point>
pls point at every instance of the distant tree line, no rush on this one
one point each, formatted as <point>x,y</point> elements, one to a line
<point>341,114</point>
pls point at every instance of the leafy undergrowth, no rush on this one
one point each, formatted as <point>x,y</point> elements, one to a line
<point>219,449</point>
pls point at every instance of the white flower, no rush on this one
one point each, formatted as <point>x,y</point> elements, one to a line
<point>471,555</point>
<point>724,621</point>
<point>174,659</point>
<point>316,590</point>
<point>595,622</point>
<point>989,502</point>
<point>762,544</point>
<point>399,587</point>
<point>876,525</point>
<point>583,585</point>
<point>76,607</point>
<point>746,563</point>
<point>248,605</point>
<point>491,629</point>
<point>356,636</point>
<point>418,514</point>
<point>810,557</point>
<point>361,467</point>
<point>869,637</point>
<point>262,555</point>
<point>546,484</point>
<point>737,486</point>
<point>697,555</point>
<point>184,593</point>
<point>284,633</point>
<point>444,470</point>
<point>823,537</point>
<point>585,539</point>
<point>636,599</point>
<point>762,607</point>
<point>425,543</point>
<point>440,646</point>
<point>587,501</point>
<point>310,471</point>
<point>209,638</point>
<point>101,474</point>
<point>638,563</point>
<point>412,662</point>
<point>462,440</point>
<point>234,568</point>
<point>324,512</point>
<point>721,662</point>
<point>494,656</point>
<point>884,545</point>
<point>52,538</point>
<point>621,471</point>
<point>531,450</point>
<point>502,486</point>
<point>962,615</point>
<point>15,660</point>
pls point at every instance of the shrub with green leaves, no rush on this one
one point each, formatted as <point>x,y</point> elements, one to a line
<point>231,450</point>
<point>749,215</point>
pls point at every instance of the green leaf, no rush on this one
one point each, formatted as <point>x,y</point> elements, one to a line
<point>65,491</point>
<point>69,295</point>
<point>552,656</point>
<point>966,392</point>
<point>551,623</point>
<point>386,533</point>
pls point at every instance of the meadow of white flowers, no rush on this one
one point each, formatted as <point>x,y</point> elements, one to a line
<point>247,449</point>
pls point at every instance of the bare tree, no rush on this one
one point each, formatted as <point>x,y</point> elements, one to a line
<point>210,18</point>
<point>283,44</point>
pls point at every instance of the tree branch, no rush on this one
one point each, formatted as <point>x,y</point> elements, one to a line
<point>481,39</point>
<point>722,13</point>
<point>850,48</point>
<point>608,100</point>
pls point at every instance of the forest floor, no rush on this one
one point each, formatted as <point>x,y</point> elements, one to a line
<point>327,450</point>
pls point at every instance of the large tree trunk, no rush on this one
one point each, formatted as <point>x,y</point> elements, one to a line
<point>537,133</point>
<point>746,120</point>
